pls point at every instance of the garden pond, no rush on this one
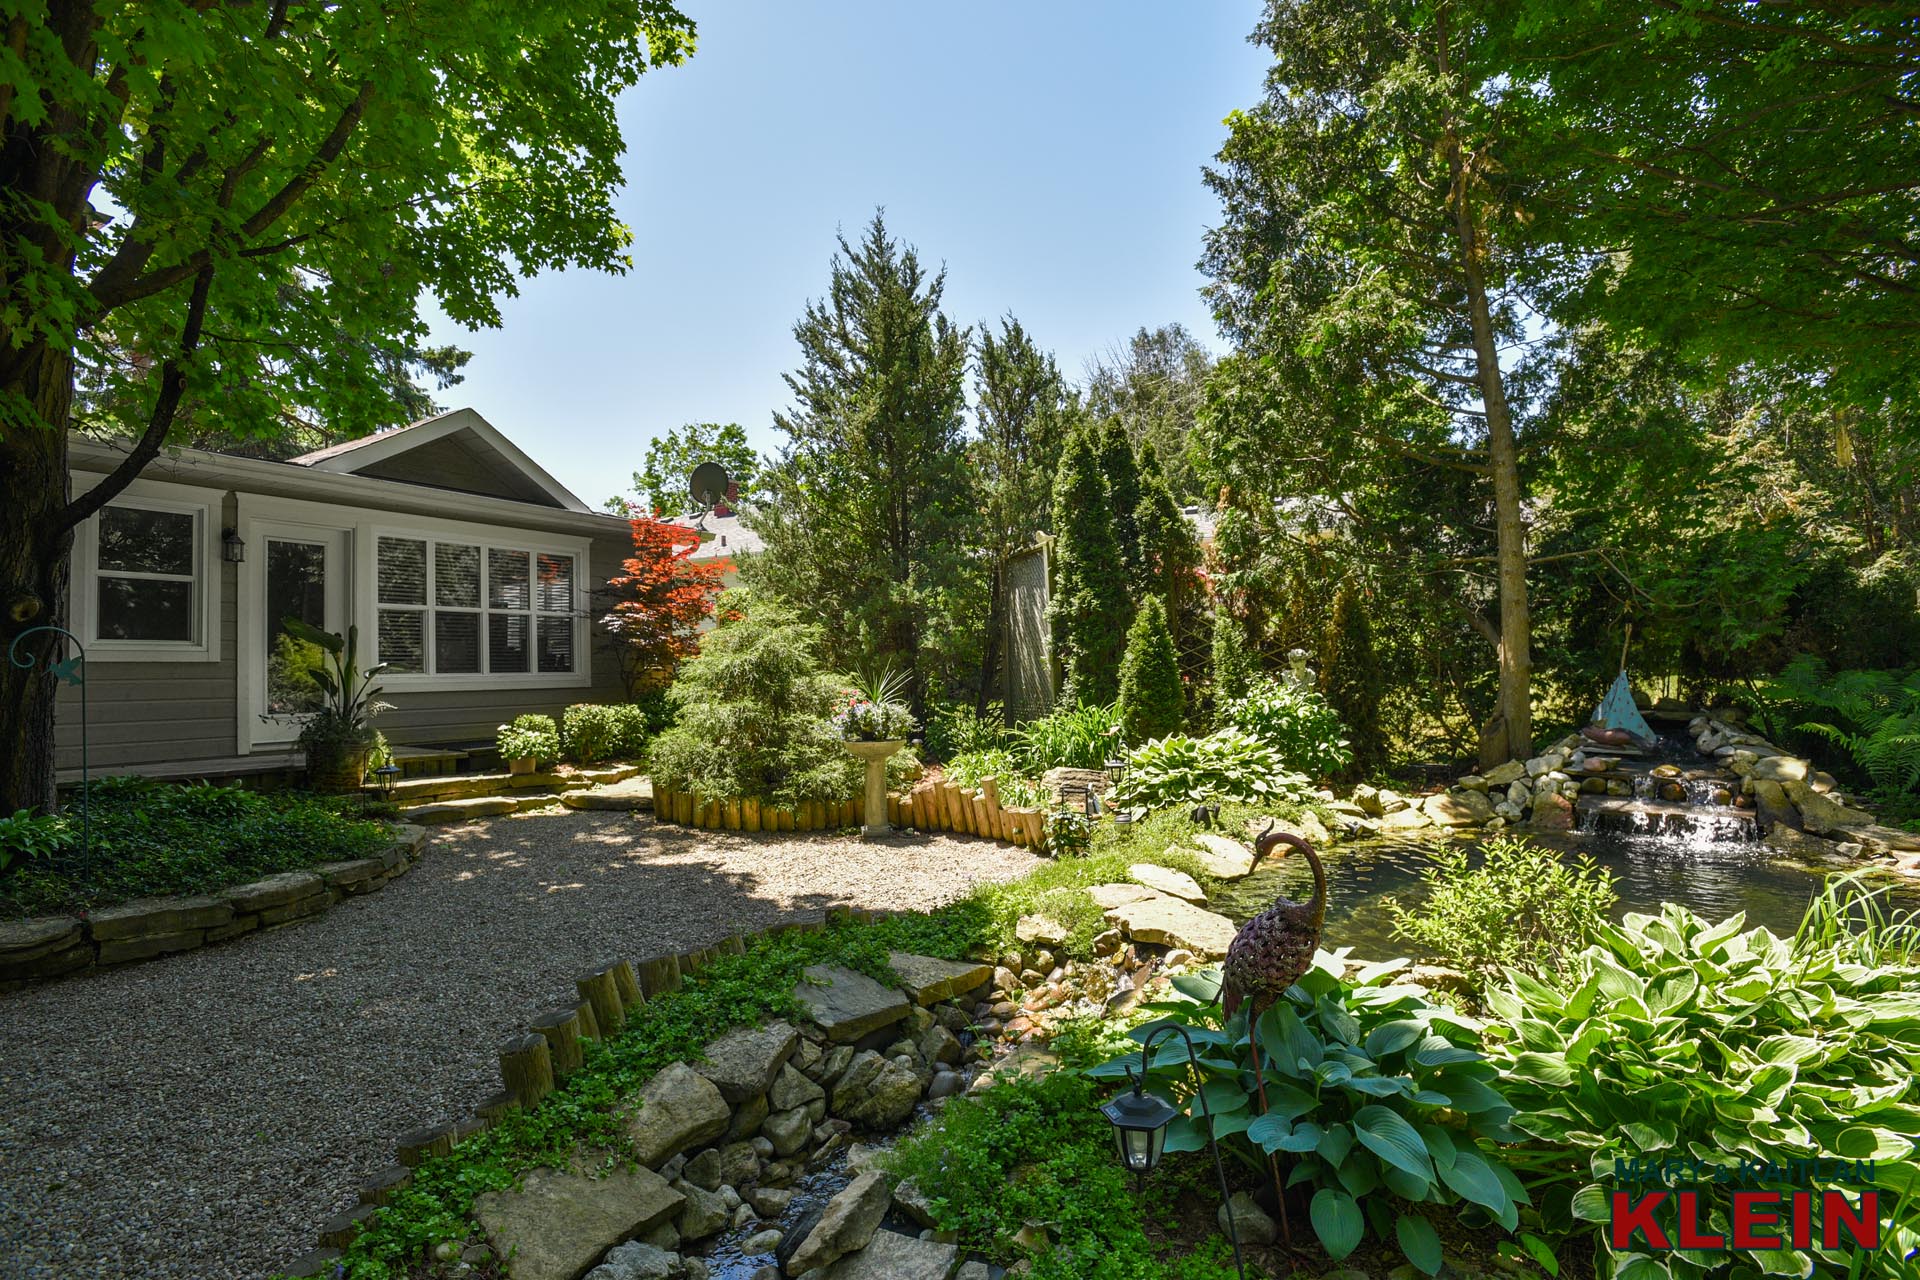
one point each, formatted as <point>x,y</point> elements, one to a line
<point>1713,878</point>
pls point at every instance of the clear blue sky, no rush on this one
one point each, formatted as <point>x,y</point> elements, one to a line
<point>1048,153</point>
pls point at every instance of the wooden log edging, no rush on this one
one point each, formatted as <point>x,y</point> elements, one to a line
<point>926,806</point>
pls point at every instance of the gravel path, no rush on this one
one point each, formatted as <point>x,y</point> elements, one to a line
<point>198,1117</point>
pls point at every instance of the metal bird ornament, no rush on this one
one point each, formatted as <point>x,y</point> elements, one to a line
<point>1276,947</point>
<point>1269,954</point>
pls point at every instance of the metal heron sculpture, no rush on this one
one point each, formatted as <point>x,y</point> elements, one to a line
<point>1269,954</point>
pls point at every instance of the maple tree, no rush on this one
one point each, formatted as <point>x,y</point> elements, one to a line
<point>661,596</point>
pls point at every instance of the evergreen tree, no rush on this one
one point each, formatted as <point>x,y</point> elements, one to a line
<point>1089,609</point>
<point>1025,411</point>
<point>1122,476</point>
<point>870,516</point>
<point>1155,385</point>
<point>1233,661</point>
<point>1152,702</point>
<point>1169,551</point>
<point>1351,680</point>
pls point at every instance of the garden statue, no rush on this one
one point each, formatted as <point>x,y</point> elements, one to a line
<point>1268,955</point>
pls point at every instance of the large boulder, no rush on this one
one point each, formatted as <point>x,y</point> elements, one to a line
<point>1771,808</point>
<point>1822,814</point>
<point>927,981</point>
<point>847,1005</point>
<point>846,1224</point>
<point>1551,812</point>
<point>555,1225</point>
<point>744,1062</point>
<point>893,1256</point>
<point>1502,775</point>
<point>792,1089</point>
<point>875,1092</point>
<point>1172,923</point>
<point>1177,884</point>
<point>1459,808</point>
<point>679,1109</point>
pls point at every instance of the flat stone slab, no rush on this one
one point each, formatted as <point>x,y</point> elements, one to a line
<point>1109,896</point>
<point>1223,858</point>
<point>160,915</point>
<point>555,1225</point>
<point>1171,922</point>
<point>743,1063</point>
<point>893,1256</point>
<point>1403,820</point>
<point>354,876</point>
<point>679,1109</point>
<point>461,810</point>
<point>1177,884</point>
<point>30,939</point>
<point>274,891</point>
<point>847,1005</point>
<point>633,793</point>
<point>1464,808</point>
<point>928,981</point>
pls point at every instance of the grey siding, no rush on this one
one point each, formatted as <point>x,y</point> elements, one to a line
<point>145,712</point>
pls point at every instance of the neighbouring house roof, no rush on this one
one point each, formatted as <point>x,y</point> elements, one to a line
<point>457,450</point>
<point>722,536</point>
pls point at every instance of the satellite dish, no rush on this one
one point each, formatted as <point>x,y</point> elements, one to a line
<point>708,484</point>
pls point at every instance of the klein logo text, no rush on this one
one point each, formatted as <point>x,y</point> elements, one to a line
<point>1758,1220</point>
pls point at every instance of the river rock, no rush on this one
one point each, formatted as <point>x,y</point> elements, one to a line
<point>1823,814</point>
<point>1176,883</point>
<point>639,1260</point>
<point>1173,923</point>
<point>1367,797</point>
<point>1248,1220</point>
<point>928,981</point>
<point>846,1224</point>
<point>1391,802</point>
<point>1458,808</point>
<point>1221,857</point>
<point>1502,775</point>
<point>788,1131</point>
<point>847,1005</point>
<point>704,1214</point>
<point>679,1109</point>
<point>555,1225</point>
<point>792,1089</point>
<point>875,1092</point>
<point>1771,808</point>
<point>1040,930</point>
<point>744,1062</point>
<point>1472,782</point>
<point>893,1256</point>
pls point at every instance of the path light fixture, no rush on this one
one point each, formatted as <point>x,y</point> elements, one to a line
<point>386,775</point>
<point>1140,1121</point>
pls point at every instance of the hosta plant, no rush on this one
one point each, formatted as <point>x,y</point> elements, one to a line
<point>1293,720</point>
<point>1673,1038</point>
<point>1377,1101</point>
<point>1226,766</point>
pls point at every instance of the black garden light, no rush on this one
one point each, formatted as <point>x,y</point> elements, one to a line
<point>387,775</point>
<point>1140,1121</point>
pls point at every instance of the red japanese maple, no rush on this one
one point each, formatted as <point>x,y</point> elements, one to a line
<point>661,599</point>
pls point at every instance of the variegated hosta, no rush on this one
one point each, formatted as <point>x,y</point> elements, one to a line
<point>1377,1098</point>
<point>1673,1038</point>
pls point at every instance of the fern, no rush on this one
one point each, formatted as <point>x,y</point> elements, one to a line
<point>1874,716</point>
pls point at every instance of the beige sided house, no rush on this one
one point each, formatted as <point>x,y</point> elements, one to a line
<point>468,569</point>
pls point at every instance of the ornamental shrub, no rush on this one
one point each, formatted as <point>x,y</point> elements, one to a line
<point>1234,666</point>
<point>756,713</point>
<point>1293,720</point>
<point>1152,703</point>
<point>591,731</point>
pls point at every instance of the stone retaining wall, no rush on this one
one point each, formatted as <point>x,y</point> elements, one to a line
<point>47,947</point>
<point>721,1141</point>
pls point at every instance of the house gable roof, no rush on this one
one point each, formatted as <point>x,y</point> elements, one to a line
<point>457,450</point>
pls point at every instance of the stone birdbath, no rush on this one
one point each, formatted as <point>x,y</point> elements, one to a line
<point>875,754</point>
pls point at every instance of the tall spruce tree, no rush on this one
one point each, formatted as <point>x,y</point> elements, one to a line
<point>870,514</point>
<point>1234,665</point>
<point>1089,609</point>
<point>1025,411</point>
<point>1152,701</point>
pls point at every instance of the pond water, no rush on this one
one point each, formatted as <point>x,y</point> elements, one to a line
<point>1713,878</point>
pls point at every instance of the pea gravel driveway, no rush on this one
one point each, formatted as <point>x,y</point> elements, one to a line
<point>198,1117</point>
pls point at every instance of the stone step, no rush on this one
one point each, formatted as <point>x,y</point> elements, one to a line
<point>631,793</point>
<point>475,807</point>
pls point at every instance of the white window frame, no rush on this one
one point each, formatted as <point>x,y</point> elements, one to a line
<point>204,505</point>
<point>487,539</point>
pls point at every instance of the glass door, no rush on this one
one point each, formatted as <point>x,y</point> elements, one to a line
<point>303,576</point>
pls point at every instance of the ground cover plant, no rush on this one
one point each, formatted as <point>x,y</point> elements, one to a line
<point>1672,1036</point>
<point>152,838</point>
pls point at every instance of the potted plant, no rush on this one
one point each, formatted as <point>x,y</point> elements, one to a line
<point>528,742</point>
<point>874,724</point>
<point>340,736</point>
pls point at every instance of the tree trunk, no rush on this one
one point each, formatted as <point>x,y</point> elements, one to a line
<point>33,578</point>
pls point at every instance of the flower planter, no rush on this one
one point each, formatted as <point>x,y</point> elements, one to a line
<point>876,755</point>
<point>525,764</point>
